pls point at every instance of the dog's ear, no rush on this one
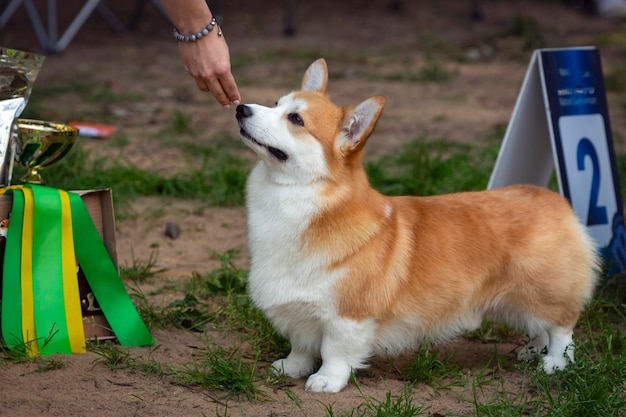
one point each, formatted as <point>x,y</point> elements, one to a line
<point>316,77</point>
<point>358,124</point>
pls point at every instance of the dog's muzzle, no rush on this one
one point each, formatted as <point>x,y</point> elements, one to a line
<point>243,112</point>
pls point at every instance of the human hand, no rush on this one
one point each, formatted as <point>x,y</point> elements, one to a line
<point>208,62</point>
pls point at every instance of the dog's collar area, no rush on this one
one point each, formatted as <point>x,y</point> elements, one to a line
<point>277,153</point>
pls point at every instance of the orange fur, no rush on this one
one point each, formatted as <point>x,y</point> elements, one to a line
<point>440,256</point>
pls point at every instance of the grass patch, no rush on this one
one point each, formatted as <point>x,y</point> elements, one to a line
<point>98,97</point>
<point>218,297</point>
<point>494,399</point>
<point>621,169</point>
<point>88,90</point>
<point>594,386</point>
<point>140,271</point>
<point>392,405</point>
<point>179,125</point>
<point>19,353</point>
<point>228,280</point>
<point>527,29</point>
<point>50,364</point>
<point>429,367</point>
<point>14,353</point>
<point>218,179</point>
<point>187,313</point>
<point>233,310</point>
<point>615,79</point>
<point>426,167</point>
<point>430,72</point>
<point>115,357</point>
<point>110,355</point>
<point>18,350</point>
<point>221,370</point>
<point>239,314</point>
<point>400,405</point>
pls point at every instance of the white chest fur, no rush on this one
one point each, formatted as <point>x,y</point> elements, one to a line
<point>282,274</point>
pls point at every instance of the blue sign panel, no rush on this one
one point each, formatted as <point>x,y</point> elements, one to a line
<point>573,87</point>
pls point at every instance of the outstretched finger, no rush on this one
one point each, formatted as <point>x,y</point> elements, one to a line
<point>230,89</point>
<point>218,92</point>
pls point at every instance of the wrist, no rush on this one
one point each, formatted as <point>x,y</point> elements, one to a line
<point>195,36</point>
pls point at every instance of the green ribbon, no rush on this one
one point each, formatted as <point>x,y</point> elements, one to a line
<point>49,298</point>
<point>11,272</point>
<point>104,280</point>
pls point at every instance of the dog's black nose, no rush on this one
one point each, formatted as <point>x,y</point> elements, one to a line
<point>243,111</point>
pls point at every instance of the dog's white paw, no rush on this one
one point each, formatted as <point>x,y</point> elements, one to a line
<point>299,367</point>
<point>325,383</point>
<point>553,363</point>
<point>560,352</point>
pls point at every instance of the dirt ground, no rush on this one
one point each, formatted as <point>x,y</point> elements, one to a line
<point>359,39</point>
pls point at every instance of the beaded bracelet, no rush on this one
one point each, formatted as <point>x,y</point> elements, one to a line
<point>197,36</point>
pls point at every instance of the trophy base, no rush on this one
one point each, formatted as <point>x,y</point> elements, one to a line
<point>33,176</point>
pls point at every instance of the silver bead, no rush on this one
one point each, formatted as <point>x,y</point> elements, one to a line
<point>205,32</point>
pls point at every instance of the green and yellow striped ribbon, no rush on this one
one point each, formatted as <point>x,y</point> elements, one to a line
<point>49,231</point>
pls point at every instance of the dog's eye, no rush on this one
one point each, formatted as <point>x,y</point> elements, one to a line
<point>295,119</point>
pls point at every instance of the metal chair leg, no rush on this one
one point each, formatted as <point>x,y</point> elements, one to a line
<point>290,18</point>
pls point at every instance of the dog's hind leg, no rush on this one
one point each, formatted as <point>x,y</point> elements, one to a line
<point>549,342</point>
<point>535,328</point>
<point>535,348</point>
<point>560,349</point>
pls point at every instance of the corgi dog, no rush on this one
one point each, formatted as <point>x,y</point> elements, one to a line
<point>345,272</point>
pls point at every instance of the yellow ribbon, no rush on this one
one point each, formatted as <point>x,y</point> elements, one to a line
<point>28,305</point>
<point>73,312</point>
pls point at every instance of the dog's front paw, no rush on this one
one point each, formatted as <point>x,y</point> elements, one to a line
<point>325,383</point>
<point>299,366</point>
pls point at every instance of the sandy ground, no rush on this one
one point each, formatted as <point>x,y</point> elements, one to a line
<point>365,46</point>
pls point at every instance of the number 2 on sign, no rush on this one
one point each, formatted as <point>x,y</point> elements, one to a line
<point>597,214</point>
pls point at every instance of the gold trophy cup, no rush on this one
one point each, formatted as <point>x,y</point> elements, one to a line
<point>41,144</point>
